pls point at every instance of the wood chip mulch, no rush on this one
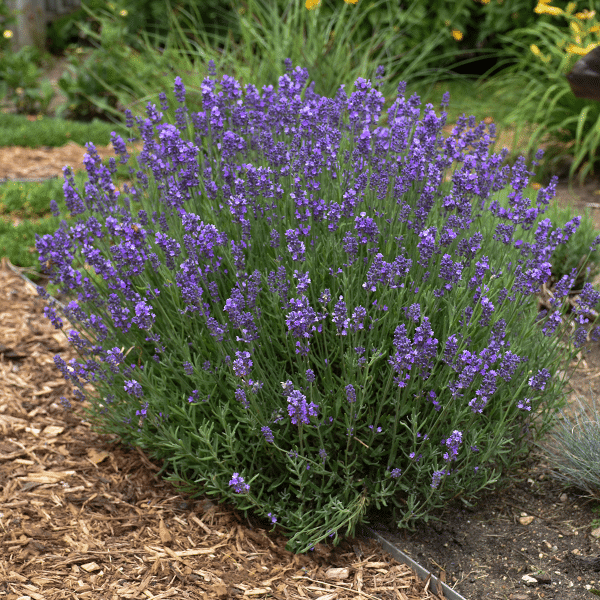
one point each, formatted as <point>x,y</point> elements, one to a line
<point>81,517</point>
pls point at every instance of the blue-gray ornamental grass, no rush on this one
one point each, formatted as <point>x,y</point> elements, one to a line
<point>310,312</point>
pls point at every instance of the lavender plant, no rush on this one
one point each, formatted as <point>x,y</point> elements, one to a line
<point>308,314</point>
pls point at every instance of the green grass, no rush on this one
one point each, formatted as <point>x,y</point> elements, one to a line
<point>17,242</point>
<point>470,97</point>
<point>25,212</point>
<point>17,130</point>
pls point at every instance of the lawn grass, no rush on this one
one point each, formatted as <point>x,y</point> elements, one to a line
<point>18,130</point>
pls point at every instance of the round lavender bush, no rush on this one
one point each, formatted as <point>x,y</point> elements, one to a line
<point>310,313</point>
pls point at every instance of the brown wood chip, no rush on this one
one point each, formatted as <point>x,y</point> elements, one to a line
<point>83,518</point>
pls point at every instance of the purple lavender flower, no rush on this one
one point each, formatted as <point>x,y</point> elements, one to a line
<point>325,297</point>
<point>303,281</point>
<point>524,404</point>
<point>366,228</point>
<point>284,160</point>
<point>298,409</point>
<point>114,358</point>
<point>240,396</point>
<point>487,308</point>
<point>358,318</point>
<point>242,364</point>
<point>217,330</point>
<point>437,477</point>
<point>552,322</point>
<point>269,437</point>
<point>50,313</point>
<point>452,443</point>
<point>426,245</point>
<point>588,298</point>
<point>350,245</point>
<point>563,287</point>
<point>413,312</point>
<point>279,284</point>
<point>580,337</point>
<point>340,317</point>
<point>386,273</point>
<point>274,236</point>
<point>295,246</point>
<point>133,388</point>
<point>301,323</point>
<point>539,380</point>
<point>212,71</point>
<point>237,482</point>
<point>508,365</point>
<point>350,393</point>
<point>425,346</point>
<point>144,317</point>
<point>485,392</point>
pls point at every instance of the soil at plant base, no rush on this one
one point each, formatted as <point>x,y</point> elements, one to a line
<point>70,500</point>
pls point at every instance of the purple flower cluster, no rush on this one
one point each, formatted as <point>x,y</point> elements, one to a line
<point>421,351</point>
<point>539,380</point>
<point>237,482</point>
<point>242,364</point>
<point>299,409</point>
<point>301,322</point>
<point>452,443</point>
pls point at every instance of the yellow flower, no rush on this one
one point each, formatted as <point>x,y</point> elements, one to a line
<point>571,7</point>
<point>310,4</point>
<point>457,35</point>
<point>543,9</point>
<point>536,186</point>
<point>123,13</point>
<point>576,27</point>
<point>585,14</point>
<point>7,33</point>
<point>484,1</point>
<point>539,54</point>
<point>350,1</point>
<point>573,49</point>
<point>594,28</point>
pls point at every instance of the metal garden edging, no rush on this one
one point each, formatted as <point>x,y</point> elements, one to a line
<point>436,585</point>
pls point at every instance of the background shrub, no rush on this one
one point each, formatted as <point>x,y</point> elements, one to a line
<point>546,52</point>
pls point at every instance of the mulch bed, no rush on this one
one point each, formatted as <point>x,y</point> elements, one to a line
<point>81,517</point>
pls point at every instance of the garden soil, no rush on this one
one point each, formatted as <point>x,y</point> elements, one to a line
<point>82,517</point>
